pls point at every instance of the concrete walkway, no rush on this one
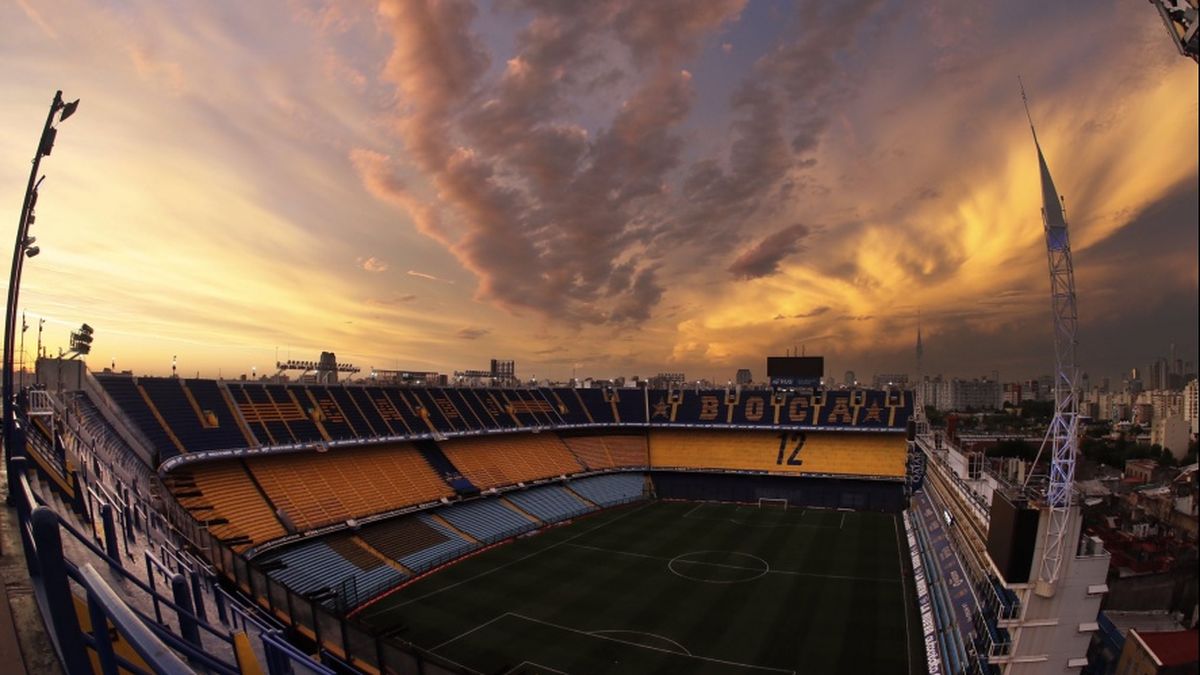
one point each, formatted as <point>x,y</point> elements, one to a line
<point>24,645</point>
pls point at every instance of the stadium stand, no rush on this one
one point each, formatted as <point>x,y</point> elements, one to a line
<point>416,542</point>
<point>798,452</point>
<point>315,489</point>
<point>497,461</point>
<point>591,401</point>
<point>630,405</point>
<point>439,409</point>
<point>494,406</point>
<point>591,451</point>
<point>611,489</point>
<point>488,520</point>
<point>324,411</point>
<point>255,407</point>
<point>188,416</point>
<point>452,547</point>
<point>608,451</point>
<point>128,397</point>
<point>473,418</point>
<point>222,495</point>
<point>339,399</point>
<point>317,567</point>
<point>398,411</point>
<point>570,410</point>
<point>530,408</point>
<point>444,468</point>
<point>44,451</point>
<point>628,450</point>
<point>219,428</point>
<point>196,428</point>
<point>298,419</point>
<point>550,503</point>
<point>717,407</point>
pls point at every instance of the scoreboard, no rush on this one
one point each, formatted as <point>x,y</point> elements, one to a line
<point>795,371</point>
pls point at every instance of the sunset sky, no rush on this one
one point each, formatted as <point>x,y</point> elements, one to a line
<point>621,186</point>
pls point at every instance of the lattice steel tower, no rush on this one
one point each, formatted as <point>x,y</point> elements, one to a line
<point>1063,434</point>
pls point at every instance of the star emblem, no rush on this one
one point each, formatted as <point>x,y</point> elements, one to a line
<point>660,408</point>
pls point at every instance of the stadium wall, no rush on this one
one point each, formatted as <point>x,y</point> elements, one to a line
<point>805,492</point>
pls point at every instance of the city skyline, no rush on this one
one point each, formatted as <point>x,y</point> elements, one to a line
<point>629,188</point>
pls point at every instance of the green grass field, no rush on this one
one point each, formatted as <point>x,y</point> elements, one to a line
<point>670,587</point>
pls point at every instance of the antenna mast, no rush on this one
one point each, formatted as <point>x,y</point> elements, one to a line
<point>1063,433</point>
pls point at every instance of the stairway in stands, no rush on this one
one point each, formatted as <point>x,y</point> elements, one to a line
<point>446,469</point>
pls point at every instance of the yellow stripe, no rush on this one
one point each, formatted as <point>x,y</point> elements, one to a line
<point>247,662</point>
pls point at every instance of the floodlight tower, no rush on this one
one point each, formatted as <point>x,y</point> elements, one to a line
<point>23,248</point>
<point>1063,433</point>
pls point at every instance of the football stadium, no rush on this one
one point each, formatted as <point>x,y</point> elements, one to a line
<point>412,523</point>
<point>429,529</point>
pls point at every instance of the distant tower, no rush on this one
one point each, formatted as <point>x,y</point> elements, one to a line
<point>919,391</point>
<point>920,349</point>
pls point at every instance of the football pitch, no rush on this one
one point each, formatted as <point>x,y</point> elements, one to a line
<point>673,587</point>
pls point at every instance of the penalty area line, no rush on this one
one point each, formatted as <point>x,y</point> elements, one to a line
<point>517,668</point>
<point>709,659</point>
<point>465,633</point>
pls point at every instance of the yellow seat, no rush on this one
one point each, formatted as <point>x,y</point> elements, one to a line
<point>855,454</point>
<point>504,460</point>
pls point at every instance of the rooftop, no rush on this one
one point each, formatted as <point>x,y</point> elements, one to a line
<point>1173,648</point>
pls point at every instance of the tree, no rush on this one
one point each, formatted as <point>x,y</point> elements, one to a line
<point>935,416</point>
<point>1031,409</point>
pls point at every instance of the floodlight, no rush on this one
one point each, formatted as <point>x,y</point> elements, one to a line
<point>68,109</point>
<point>32,251</point>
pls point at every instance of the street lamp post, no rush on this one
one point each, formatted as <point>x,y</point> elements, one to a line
<point>25,248</point>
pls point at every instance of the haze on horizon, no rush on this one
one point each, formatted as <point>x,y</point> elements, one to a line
<point>614,185</point>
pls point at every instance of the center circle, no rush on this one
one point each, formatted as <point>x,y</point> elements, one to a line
<point>718,567</point>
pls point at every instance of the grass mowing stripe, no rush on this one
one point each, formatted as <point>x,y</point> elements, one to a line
<point>508,564</point>
<point>676,561</point>
<point>904,596</point>
<point>613,577</point>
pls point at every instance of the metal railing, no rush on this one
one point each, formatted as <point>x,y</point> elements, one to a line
<point>176,639</point>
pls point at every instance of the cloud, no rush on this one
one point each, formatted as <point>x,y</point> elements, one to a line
<point>391,301</point>
<point>781,110</point>
<point>818,311</point>
<point>763,258</point>
<point>472,333</point>
<point>165,73</point>
<point>597,167</point>
<point>545,213</point>
<point>37,19</point>
<point>430,277</point>
<point>372,264</point>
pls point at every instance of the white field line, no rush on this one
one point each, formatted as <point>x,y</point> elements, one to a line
<point>548,669</point>
<point>728,566</point>
<point>656,649</point>
<point>468,632</point>
<point>388,608</point>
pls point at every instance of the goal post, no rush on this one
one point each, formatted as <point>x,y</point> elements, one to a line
<point>768,503</point>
